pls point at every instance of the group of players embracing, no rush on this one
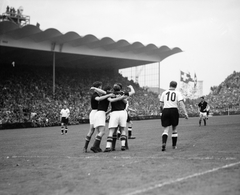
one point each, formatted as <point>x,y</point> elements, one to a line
<point>110,101</point>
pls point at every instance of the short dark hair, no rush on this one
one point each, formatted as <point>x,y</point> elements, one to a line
<point>119,84</point>
<point>107,88</point>
<point>116,87</point>
<point>97,84</point>
<point>173,84</point>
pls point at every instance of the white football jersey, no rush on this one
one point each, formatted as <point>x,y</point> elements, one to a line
<point>65,113</point>
<point>170,98</point>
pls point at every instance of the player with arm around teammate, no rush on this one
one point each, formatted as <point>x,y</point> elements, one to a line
<point>117,132</point>
<point>97,88</point>
<point>100,118</point>
<point>118,116</point>
<point>64,117</point>
<point>170,113</point>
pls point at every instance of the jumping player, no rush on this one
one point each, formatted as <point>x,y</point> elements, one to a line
<point>64,116</point>
<point>97,87</point>
<point>202,109</point>
<point>170,114</point>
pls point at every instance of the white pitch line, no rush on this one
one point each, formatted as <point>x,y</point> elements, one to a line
<point>180,179</point>
<point>127,157</point>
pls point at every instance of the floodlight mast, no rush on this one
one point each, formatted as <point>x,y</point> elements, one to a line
<point>15,16</point>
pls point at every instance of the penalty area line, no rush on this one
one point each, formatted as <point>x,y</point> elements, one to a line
<point>152,187</point>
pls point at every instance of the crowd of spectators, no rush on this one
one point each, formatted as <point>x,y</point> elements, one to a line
<point>27,95</point>
<point>226,96</point>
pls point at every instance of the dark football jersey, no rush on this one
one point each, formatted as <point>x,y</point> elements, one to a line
<point>202,106</point>
<point>103,105</point>
<point>94,103</point>
<point>119,105</point>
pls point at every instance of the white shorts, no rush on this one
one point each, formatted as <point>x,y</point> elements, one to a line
<point>118,118</point>
<point>91,116</point>
<point>203,114</point>
<point>99,118</point>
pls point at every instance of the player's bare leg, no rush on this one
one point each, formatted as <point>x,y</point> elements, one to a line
<point>115,137</point>
<point>66,129</point>
<point>204,121</point>
<point>130,131</point>
<point>96,145</point>
<point>200,120</point>
<point>109,140</point>
<point>88,137</point>
<point>62,128</point>
<point>123,138</point>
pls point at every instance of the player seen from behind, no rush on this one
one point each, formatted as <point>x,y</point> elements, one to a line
<point>170,114</point>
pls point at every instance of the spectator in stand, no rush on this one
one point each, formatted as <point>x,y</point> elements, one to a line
<point>7,9</point>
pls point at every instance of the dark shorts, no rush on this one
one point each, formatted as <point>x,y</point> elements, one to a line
<point>64,120</point>
<point>170,117</point>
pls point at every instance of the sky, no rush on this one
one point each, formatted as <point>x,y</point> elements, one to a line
<point>208,31</point>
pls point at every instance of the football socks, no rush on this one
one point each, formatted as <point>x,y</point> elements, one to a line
<point>114,140</point>
<point>174,139</point>
<point>87,140</point>
<point>109,142</point>
<point>164,141</point>
<point>123,139</point>
<point>97,142</point>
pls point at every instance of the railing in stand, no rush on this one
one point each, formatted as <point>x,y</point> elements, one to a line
<point>21,20</point>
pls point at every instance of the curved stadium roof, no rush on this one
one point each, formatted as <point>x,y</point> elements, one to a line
<point>31,45</point>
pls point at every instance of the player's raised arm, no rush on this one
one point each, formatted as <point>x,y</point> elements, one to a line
<point>132,91</point>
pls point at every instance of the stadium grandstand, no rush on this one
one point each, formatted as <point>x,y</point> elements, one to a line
<point>42,69</point>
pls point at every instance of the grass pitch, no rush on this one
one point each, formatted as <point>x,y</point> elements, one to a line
<point>42,161</point>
